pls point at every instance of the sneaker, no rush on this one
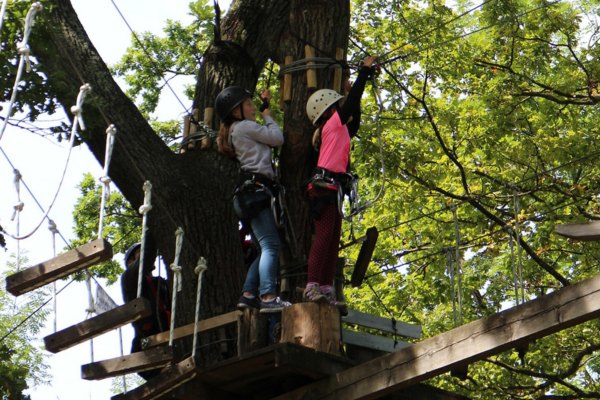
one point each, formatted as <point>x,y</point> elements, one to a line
<point>248,302</point>
<point>273,306</point>
<point>313,293</point>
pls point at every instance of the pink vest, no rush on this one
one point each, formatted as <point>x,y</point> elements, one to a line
<point>335,145</point>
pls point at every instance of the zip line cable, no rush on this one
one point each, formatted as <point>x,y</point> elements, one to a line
<point>151,59</point>
<point>429,32</point>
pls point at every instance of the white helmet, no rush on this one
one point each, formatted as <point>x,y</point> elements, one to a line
<point>320,101</point>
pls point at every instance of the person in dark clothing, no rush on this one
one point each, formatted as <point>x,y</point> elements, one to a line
<point>335,125</point>
<point>155,289</point>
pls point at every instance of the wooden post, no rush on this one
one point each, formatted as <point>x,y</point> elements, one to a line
<point>337,74</point>
<point>287,81</point>
<point>252,331</point>
<point>312,325</point>
<point>311,73</point>
<point>186,132</point>
<point>208,116</point>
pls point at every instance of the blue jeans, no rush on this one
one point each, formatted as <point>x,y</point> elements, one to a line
<point>262,274</point>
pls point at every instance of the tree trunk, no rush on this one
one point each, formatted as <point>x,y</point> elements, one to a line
<point>193,190</point>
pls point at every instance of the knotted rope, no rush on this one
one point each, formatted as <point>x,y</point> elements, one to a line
<point>23,49</point>
<point>111,131</point>
<point>144,210</point>
<point>201,267</point>
<point>176,268</point>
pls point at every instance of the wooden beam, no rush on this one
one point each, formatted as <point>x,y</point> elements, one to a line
<point>141,361</point>
<point>187,330</point>
<point>58,267</point>
<point>383,324</point>
<point>374,342</point>
<point>588,231</point>
<point>169,379</point>
<point>475,341</point>
<point>90,328</point>
<point>364,257</point>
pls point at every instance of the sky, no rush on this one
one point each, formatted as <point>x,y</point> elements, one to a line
<point>41,163</point>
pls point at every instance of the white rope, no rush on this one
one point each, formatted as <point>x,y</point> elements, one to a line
<point>83,90</point>
<point>23,49</point>
<point>144,210</point>
<point>176,268</point>
<point>18,207</point>
<point>2,13</point>
<point>54,230</point>
<point>201,267</point>
<point>105,179</point>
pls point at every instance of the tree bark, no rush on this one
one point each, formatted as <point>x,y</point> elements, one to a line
<point>193,190</point>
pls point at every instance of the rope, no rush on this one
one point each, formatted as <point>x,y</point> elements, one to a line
<point>90,310</point>
<point>144,210</point>
<point>54,230</point>
<point>78,120</point>
<point>201,267</point>
<point>450,269</point>
<point>457,259</point>
<point>512,262</point>
<point>303,65</point>
<point>517,238</point>
<point>105,179</point>
<point>23,50</point>
<point>361,208</point>
<point>18,207</point>
<point>176,268</point>
<point>2,13</point>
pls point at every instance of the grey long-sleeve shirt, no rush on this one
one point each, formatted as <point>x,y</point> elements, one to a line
<point>253,142</point>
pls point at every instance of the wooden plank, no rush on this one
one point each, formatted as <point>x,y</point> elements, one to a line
<point>187,330</point>
<point>90,328</point>
<point>477,340</point>
<point>383,324</point>
<point>141,361</point>
<point>588,231</point>
<point>364,257</point>
<point>169,379</point>
<point>372,341</point>
<point>58,267</point>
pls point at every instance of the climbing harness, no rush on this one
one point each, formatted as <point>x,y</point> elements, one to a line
<point>23,49</point>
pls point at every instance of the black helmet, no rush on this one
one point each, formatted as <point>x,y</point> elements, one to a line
<point>230,98</point>
<point>130,251</point>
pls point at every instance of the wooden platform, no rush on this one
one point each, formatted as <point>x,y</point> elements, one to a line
<point>169,379</point>
<point>58,267</point>
<point>273,370</point>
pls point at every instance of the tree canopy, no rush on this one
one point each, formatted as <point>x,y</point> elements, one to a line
<point>479,134</point>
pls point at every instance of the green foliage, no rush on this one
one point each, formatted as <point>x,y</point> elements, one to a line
<point>151,61</point>
<point>20,323</point>
<point>487,129</point>
<point>121,224</point>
